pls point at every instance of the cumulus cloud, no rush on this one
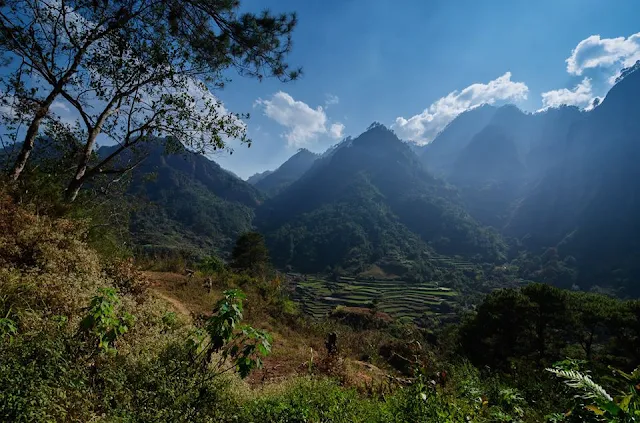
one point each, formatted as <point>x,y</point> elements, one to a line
<point>424,127</point>
<point>581,95</point>
<point>594,51</point>
<point>303,122</point>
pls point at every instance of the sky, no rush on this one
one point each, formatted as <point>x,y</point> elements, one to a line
<point>414,65</point>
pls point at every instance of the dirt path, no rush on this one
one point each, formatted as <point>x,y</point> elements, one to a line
<point>181,308</point>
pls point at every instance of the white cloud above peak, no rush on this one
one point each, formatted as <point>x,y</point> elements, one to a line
<point>304,123</point>
<point>581,95</point>
<point>423,128</point>
<point>595,51</point>
<point>336,131</point>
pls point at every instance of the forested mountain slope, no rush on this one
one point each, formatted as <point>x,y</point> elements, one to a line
<point>371,201</point>
<point>189,203</point>
<point>589,205</point>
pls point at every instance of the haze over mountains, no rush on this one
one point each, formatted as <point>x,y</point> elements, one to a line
<point>559,186</point>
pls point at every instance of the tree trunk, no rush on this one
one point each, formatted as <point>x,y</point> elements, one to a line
<point>83,163</point>
<point>588,345</point>
<point>32,133</point>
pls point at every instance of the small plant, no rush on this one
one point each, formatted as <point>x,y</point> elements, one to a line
<point>243,345</point>
<point>101,322</point>
<point>623,407</point>
<point>8,328</point>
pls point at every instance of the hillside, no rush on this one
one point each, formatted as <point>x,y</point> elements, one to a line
<point>188,203</point>
<point>489,174</point>
<point>286,174</point>
<point>371,201</point>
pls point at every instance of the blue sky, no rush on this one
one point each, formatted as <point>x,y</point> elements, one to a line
<point>414,65</point>
<point>406,63</point>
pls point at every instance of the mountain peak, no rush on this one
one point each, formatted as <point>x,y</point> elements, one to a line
<point>628,71</point>
<point>288,172</point>
<point>374,125</point>
<point>303,152</point>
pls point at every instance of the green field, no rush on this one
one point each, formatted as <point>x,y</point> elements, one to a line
<point>397,298</point>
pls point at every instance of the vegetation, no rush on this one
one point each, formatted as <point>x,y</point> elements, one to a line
<point>83,338</point>
<point>250,254</point>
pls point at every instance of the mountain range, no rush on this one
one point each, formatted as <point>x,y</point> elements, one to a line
<point>553,193</point>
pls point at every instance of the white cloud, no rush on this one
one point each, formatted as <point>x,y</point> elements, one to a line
<point>331,100</point>
<point>304,123</point>
<point>424,127</point>
<point>58,105</point>
<point>594,51</point>
<point>336,130</point>
<point>581,95</point>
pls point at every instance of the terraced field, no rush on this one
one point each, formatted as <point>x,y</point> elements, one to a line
<point>397,298</point>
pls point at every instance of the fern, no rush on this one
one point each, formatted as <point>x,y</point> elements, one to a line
<point>578,380</point>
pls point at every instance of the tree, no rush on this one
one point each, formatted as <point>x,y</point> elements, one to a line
<point>132,70</point>
<point>501,330</point>
<point>250,253</point>
<point>547,315</point>
<point>591,312</point>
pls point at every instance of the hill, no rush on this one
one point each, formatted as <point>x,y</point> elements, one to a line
<point>371,201</point>
<point>287,173</point>
<point>190,203</point>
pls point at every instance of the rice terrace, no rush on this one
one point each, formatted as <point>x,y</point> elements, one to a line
<point>399,299</point>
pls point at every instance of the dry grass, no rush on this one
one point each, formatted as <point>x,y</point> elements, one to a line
<point>376,272</point>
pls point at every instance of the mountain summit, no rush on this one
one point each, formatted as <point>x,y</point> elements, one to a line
<point>287,173</point>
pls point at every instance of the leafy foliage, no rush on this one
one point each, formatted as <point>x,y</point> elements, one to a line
<point>244,345</point>
<point>102,322</point>
<point>625,407</point>
<point>544,324</point>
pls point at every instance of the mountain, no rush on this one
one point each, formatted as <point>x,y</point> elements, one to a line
<point>489,175</point>
<point>253,179</point>
<point>562,183</point>
<point>494,156</point>
<point>370,201</point>
<point>189,203</point>
<point>588,205</point>
<point>439,155</point>
<point>287,173</point>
